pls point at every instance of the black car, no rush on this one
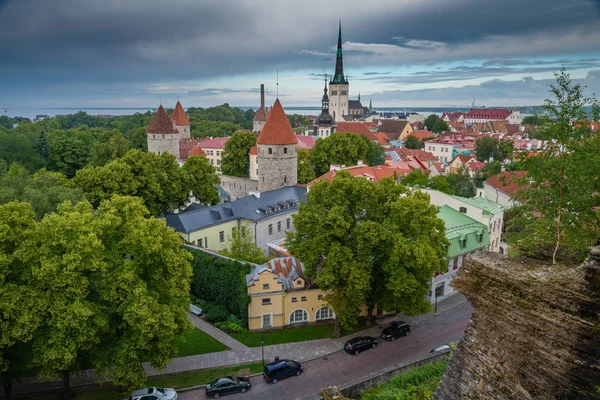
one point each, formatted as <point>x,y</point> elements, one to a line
<point>360,343</point>
<point>227,385</point>
<point>395,330</point>
<point>280,369</point>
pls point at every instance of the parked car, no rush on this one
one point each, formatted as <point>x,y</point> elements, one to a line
<point>227,385</point>
<point>280,369</point>
<point>154,393</point>
<point>441,348</point>
<point>360,343</point>
<point>395,330</point>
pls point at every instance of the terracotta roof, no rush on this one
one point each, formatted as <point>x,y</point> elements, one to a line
<point>452,116</point>
<point>463,158</point>
<point>179,116</point>
<point>277,129</point>
<point>382,138</point>
<point>476,165</point>
<point>185,145</point>
<point>216,143</point>
<point>488,113</point>
<point>392,127</point>
<point>422,155</point>
<point>306,142</point>
<point>261,115</point>
<point>196,151</point>
<point>506,181</point>
<point>377,173</point>
<point>422,134</point>
<point>439,166</point>
<point>356,127</point>
<point>253,150</point>
<point>512,128</point>
<point>161,123</point>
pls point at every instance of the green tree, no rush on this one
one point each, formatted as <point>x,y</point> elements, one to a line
<point>435,124</point>
<point>375,153</point>
<point>558,216</point>
<point>42,145</point>
<point>297,120</point>
<point>137,138</point>
<point>439,182</point>
<point>305,170</point>
<point>488,147</point>
<point>412,142</point>
<point>533,120</point>
<point>109,146</point>
<point>415,178</point>
<point>202,179</point>
<point>68,152</point>
<point>243,247</point>
<point>360,243</point>
<point>461,183</point>
<point>235,160</point>
<point>483,173</point>
<point>339,148</point>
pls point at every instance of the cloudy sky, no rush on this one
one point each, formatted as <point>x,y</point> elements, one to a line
<point>135,53</point>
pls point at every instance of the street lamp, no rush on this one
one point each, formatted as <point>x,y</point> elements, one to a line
<point>262,348</point>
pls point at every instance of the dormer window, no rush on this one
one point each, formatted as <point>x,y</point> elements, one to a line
<point>463,210</point>
<point>299,282</point>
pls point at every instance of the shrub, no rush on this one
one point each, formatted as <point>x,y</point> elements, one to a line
<point>215,312</point>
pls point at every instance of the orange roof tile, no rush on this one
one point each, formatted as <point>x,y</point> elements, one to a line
<point>196,151</point>
<point>422,155</point>
<point>179,116</point>
<point>356,127</point>
<point>161,123</point>
<point>506,181</point>
<point>422,134</point>
<point>253,150</point>
<point>376,173</point>
<point>382,138</point>
<point>277,129</point>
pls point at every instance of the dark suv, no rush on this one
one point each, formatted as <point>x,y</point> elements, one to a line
<point>396,329</point>
<point>360,343</point>
<point>281,369</point>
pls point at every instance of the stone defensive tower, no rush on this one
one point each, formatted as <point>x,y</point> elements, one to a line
<point>277,148</point>
<point>181,120</point>
<point>162,135</point>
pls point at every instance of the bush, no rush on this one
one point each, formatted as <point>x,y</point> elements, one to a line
<point>215,312</point>
<point>232,325</point>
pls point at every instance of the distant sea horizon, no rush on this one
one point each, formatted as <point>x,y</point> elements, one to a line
<point>302,110</point>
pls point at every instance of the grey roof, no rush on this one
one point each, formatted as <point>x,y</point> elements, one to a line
<point>354,105</point>
<point>250,208</point>
<point>285,269</point>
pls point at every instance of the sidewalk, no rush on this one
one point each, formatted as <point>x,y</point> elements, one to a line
<point>241,354</point>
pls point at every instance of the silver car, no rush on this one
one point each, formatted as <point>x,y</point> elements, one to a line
<point>154,393</point>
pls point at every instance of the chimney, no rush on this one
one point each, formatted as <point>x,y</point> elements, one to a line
<point>262,96</point>
<point>502,168</point>
<point>360,162</point>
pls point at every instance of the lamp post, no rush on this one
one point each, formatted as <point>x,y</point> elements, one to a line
<point>262,348</point>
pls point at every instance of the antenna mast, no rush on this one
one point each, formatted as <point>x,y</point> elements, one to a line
<point>277,90</point>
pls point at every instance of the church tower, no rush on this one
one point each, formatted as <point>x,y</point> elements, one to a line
<point>277,148</point>
<point>181,120</point>
<point>324,124</point>
<point>162,135</point>
<point>338,86</point>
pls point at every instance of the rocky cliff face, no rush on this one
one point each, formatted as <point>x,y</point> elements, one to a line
<point>535,332</point>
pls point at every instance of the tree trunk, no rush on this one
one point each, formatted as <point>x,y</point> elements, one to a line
<point>369,318</point>
<point>8,391</point>
<point>337,330</point>
<point>67,385</point>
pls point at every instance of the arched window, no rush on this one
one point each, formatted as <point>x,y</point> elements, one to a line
<point>324,312</point>
<point>298,316</point>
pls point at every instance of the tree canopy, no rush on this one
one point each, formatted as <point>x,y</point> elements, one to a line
<point>339,148</point>
<point>412,142</point>
<point>235,160</point>
<point>488,147</point>
<point>243,247</point>
<point>435,124</point>
<point>305,170</point>
<point>364,244</point>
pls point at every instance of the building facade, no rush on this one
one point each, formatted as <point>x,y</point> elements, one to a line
<point>213,148</point>
<point>162,135</point>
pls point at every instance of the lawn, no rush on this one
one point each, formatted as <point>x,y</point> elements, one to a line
<point>195,342</point>
<point>292,334</point>
<point>179,381</point>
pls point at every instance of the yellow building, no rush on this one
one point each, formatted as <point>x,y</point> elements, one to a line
<point>460,161</point>
<point>279,296</point>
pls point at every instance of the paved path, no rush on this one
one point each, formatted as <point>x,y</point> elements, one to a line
<point>217,333</point>
<point>241,354</point>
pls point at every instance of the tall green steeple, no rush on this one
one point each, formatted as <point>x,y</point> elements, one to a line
<point>339,77</point>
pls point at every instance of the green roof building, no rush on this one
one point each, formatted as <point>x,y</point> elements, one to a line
<point>464,233</point>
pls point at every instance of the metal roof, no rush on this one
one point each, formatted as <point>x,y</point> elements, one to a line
<point>285,269</point>
<point>488,207</point>
<point>250,208</point>
<point>463,232</point>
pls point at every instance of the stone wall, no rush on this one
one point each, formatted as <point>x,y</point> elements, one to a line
<point>238,187</point>
<point>535,332</point>
<point>277,169</point>
<point>159,144</point>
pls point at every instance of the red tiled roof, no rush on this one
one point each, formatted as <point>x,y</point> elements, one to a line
<point>216,143</point>
<point>277,129</point>
<point>253,150</point>
<point>422,155</point>
<point>377,173</point>
<point>306,142</point>
<point>456,125</point>
<point>261,115</point>
<point>415,124</point>
<point>513,128</point>
<point>161,123</point>
<point>452,116</point>
<point>488,113</point>
<point>506,181</point>
<point>422,134</point>
<point>464,158</point>
<point>476,165</point>
<point>382,138</point>
<point>196,151</point>
<point>356,127</point>
<point>179,116</point>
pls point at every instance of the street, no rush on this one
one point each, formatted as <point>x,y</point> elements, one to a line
<point>427,331</point>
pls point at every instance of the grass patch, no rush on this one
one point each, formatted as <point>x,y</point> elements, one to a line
<point>417,384</point>
<point>195,342</point>
<point>292,334</point>
<point>178,381</point>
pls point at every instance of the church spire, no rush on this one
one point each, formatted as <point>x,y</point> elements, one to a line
<point>339,63</point>
<point>325,100</point>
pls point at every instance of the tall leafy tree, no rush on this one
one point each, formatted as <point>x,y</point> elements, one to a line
<point>461,183</point>
<point>235,160</point>
<point>69,152</point>
<point>375,154</point>
<point>339,148</point>
<point>486,171</point>
<point>202,179</point>
<point>488,147</point>
<point>305,170</point>
<point>412,142</point>
<point>558,216</point>
<point>359,241</point>
<point>243,247</point>
<point>109,146</point>
<point>435,124</point>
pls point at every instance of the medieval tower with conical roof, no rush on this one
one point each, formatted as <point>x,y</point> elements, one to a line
<point>162,135</point>
<point>181,120</point>
<point>338,86</point>
<point>277,148</point>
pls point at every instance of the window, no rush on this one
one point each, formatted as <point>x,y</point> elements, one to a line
<point>218,153</point>
<point>324,313</point>
<point>298,316</point>
<point>265,286</point>
<point>288,222</point>
<point>270,229</point>
<point>439,290</point>
<point>285,150</point>
<point>299,282</point>
<point>266,321</point>
<point>199,242</point>
<point>334,93</point>
<point>463,210</point>
<point>303,298</point>
<point>343,93</point>
<point>222,236</point>
<point>285,180</point>
<point>266,302</point>
<point>206,242</point>
<point>163,136</point>
<point>218,162</point>
<point>270,150</point>
<point>320,297</point>
<point>294,299</point>
<point>279,226</point>
<point>212,162</point>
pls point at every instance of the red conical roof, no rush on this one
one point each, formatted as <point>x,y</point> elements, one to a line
<point>196,151</point>
<point>179,116</point>
<point>277,129</point>
<point>161,123</point>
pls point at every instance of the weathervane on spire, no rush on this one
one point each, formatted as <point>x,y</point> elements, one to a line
<point>277,85</point>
